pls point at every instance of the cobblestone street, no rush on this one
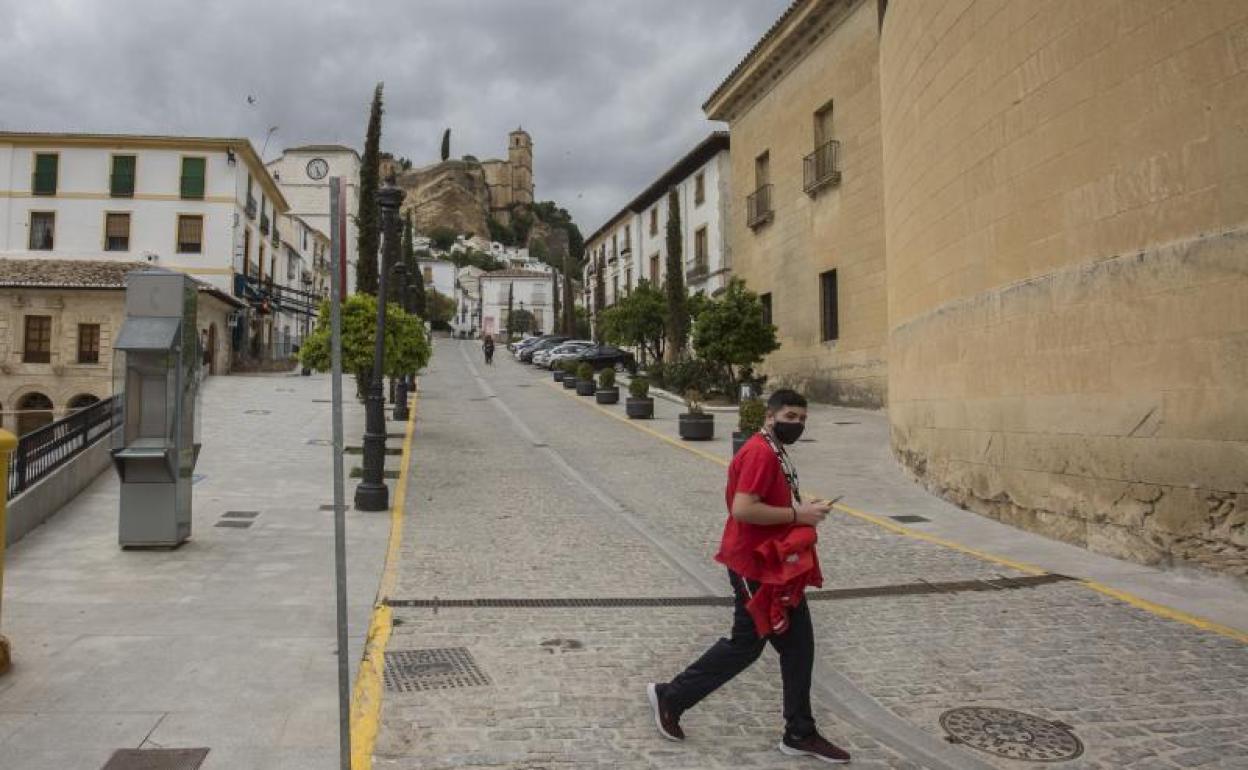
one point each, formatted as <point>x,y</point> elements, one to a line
<point>519,493</point>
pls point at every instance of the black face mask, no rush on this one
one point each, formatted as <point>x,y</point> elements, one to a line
<point>788,432</point>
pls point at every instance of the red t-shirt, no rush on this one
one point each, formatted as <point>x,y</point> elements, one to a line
<point>755,470</point>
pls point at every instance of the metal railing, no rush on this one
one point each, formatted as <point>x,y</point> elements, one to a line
<point>700,270</point>
<point>43,183</point>
<point>42,451</point>
<point>192,188</point>
<point>250,208</point>
<point>121,185</point>
<point>820,168</point>
<point>264,224</point>
<point>758,207</point>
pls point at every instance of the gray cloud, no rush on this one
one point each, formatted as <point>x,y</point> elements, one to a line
<point>611,90</point>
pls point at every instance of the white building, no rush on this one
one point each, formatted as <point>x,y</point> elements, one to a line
<point>303,174</point>
<point>200,205</point>
<point>467,320</point>
<point>632,244</point>
<point>438,274</point>
<point>529,290</point>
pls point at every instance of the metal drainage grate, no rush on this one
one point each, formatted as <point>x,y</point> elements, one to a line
<point>1011,734</point>
<point>845,422</point>
<point>330,507</point>
<point>441,668</point>
<point>156,759</point>
<point>258,411</point>
<point>233,524</point>
<point>921,588</point>
<point>322,401</point>
<point>319,442</point>
<point>240,514</point>
<point>909,519</point>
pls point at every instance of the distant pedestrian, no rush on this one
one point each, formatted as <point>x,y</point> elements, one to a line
<point>768,546</point>
<point>487,348</point>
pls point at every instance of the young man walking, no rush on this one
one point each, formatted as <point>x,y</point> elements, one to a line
<point>766,515</point>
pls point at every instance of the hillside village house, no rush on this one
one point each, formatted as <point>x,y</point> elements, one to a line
<point>632,245</point>
<point>303,173</point>
<point>199,205</point>
<point>530,290</point>
<point>58,319</point>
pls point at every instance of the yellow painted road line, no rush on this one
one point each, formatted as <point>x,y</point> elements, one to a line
<point>1156,609</point>
<point>367,696</point>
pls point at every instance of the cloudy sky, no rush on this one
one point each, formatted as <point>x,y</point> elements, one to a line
<point>611,90</point>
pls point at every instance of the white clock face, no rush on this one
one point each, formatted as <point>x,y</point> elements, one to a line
<point>318,168</point>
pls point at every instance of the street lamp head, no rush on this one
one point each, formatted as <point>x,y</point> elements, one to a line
<point>390,197</point>
<point>400,269</point>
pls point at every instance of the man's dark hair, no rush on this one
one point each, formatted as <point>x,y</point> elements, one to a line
<point>785,397</point>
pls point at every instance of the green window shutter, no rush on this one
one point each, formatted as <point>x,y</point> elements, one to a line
<point>121,183</point>
<point>192,177</point>
<point>44,182</point>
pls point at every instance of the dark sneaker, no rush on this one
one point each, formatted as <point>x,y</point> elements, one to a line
<point>665,719</point>
<point>814,745</point>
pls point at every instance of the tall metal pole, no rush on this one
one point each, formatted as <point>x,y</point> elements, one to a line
<point>337,248</point>
<point>372,494</point>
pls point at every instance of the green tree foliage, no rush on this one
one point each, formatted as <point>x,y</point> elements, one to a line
<point>407,345</point>
<point>677,312</point>
<point>368,221</point>
<point>446,144</point>
<point>414,275</point>
<point>580,322</point>
<point>730,334</point>
<point>511,296</point>
<point>443,237</point>
<point>638,319</point>
<point>439,307</point>
<point>501,232</point>
<point>539,251</point>
<point>522,322</point>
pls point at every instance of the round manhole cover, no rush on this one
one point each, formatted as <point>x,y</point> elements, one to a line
<point>1011,734</point>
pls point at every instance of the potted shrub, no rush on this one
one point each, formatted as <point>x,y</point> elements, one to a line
<point>695,424</point>
<point>558,373</point>
<point>607,392</point>
<point>750,417</point>
<point>639,405</point>
<point>585,380</point>
<point>569,374</point>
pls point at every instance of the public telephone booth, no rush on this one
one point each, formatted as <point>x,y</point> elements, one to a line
<point>156,374</point>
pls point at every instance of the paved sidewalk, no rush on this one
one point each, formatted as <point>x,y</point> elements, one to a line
<point>523,491</point>
<point>227,642</point>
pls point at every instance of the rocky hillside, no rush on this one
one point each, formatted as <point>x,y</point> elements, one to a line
<point>450,194</point>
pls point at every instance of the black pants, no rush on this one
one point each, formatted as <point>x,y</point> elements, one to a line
<point>729,657</point>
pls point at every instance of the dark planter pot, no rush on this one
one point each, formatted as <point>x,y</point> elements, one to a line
<point>639,408</point>
<point>738,440</point>
<point>306,372</point>
<point>608,395</point>
<point>569,382</point>
<point>559,375</point>
<point>586,387</point>
<point>697,427</point>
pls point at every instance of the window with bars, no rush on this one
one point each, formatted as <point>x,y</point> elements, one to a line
<point>116,232</point>
<point>190,234</point>
<point>766,300</point>
<point>37,343</point>
<point>88,343</point>
<point>43,179</point>
<point>699,188</point>
<point>121,179</point>
<point>42,230</point>
<point>828,306</point>
<point>700,257</point>
<point>193,170</point>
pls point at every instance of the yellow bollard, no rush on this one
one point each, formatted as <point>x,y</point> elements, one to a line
<point>8,442</point>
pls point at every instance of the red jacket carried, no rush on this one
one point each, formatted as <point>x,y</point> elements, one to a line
<point>787,566</point>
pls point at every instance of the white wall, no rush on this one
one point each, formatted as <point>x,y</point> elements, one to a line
<point>533,291</point>
<point>443,276</point>
<point>309,198</point>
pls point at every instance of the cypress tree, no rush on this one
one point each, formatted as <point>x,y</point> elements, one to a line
<point>368,221</point>
<point>446,144</point>
<point>511,295</point>
<point>677,301</point>
<point>600,296</point>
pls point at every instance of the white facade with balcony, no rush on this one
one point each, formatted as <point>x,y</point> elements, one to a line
<point>529,290</point>
<point>632,245</point>
<point>199,205</point>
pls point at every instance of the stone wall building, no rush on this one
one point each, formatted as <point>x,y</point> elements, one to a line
<point>806,213</point>
<point>1066,208</point>
<point>1040,221</point>
<point>58,319</point>
<point>510,181</point>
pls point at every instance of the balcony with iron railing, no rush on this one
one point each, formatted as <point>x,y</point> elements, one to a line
<point>821,168</point>
<point>250,208</point>
<point>121,185</point>
<point>264,224</point>
<point>43,183</point>
<point>699,271</point>
<point>758,210</point>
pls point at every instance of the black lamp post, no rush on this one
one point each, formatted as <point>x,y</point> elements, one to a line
<point>400,382</point>
<point>372,494</point>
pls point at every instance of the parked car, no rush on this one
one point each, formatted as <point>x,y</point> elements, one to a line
<point>552,356</point>
<point>516,347</point>
<point>526,355</point>
<point>608,356</point>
